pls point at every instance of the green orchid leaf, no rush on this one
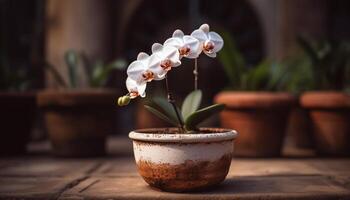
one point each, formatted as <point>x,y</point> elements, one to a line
<point>166,107</point>
<point>160,115</point>
<point>71,58</point>
<point>191,103</point>
<point>200,115</point>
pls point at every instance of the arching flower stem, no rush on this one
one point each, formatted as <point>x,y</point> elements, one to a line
<point>195,73</point>
<point>172,102</point>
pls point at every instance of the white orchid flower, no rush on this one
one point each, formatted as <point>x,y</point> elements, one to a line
<point>187,45</point>
<point>135,89</point>
<point>211,42</point>
<point>167,58</point>
<point>145,69</point>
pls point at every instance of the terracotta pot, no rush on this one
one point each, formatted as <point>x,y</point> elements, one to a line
<point>78,121</point>
<point>183,162</point>
<point>259,117</point>
<point>330,114</point>
<point>16,116</point>
<point>299,128</point>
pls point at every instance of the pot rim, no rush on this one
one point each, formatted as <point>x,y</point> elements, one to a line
<point>258,99</point>
<point>325,99</point>
<point>221,135</point>
<point>69,98</point>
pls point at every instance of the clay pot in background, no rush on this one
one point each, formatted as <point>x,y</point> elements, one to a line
<point>259,117</point>
<point>330,114</point>
<point>17,114</point>
<point>78,122</point>
<point>299,128</point>
<point>183,162</point>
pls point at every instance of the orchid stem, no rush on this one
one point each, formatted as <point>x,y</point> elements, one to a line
<point>195,73</point>
<point>172,102</point>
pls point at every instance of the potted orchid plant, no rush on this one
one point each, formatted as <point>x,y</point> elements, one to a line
<point>185,157</point>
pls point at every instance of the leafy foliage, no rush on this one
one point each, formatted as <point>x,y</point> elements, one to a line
<point>267,75</point>
<point>96,72</point>
<point>190,114</point>
<point>200,115</point>
<point>191,103</point>
<point>329,63</point>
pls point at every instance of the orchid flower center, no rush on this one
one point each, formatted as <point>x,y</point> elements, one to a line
<point>148,76</point>
<point>184,51</point>
<point>208,46</point>
<point>133,94</point>
<point>166,64</point>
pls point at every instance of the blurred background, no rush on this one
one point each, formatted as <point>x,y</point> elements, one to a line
<point>82,44</point>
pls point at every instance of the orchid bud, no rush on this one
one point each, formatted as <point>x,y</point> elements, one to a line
<point>124,100</point>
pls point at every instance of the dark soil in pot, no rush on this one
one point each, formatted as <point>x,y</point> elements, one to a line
<point>78,122</point>
<point>260,118</point>
<point>17,115</point>
<point>330,114</point>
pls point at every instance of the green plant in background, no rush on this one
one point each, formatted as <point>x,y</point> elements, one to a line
<point>267,75</point>
<point>97,72</point>
<point>329,64</point>
<point>13,79</point>
<point>190,114</point>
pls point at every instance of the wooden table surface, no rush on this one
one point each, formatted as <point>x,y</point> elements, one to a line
<point>41,176</point>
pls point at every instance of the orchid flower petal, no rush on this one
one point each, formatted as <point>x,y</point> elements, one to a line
<point>156,47</point>
<point>172,54</point>
<point>142,89</point>
<point>194,44</point>
<point>178,33</point>
<point>199,35</point>
<point>217,39</point>
<point>175,42</point>
<point>205,28</point>
<point>142,56</point>
<point>154,66</point>
<point>135,89</point>
<point>135,70</point>
<point>212,54</point>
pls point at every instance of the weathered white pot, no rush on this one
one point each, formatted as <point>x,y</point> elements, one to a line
<point>183,162</point>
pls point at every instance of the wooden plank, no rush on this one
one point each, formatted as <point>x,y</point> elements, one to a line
<point>33,187</point>
<point>48,168</point>
<point>247,187</point>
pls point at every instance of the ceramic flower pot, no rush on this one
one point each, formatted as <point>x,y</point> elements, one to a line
<point>17,115</point>
<point>259,117</point>
<point>183,162</point>
<point>78,121</point>
<point>330,114</point>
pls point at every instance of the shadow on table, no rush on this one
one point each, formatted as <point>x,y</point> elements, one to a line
<point>280,185</point>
